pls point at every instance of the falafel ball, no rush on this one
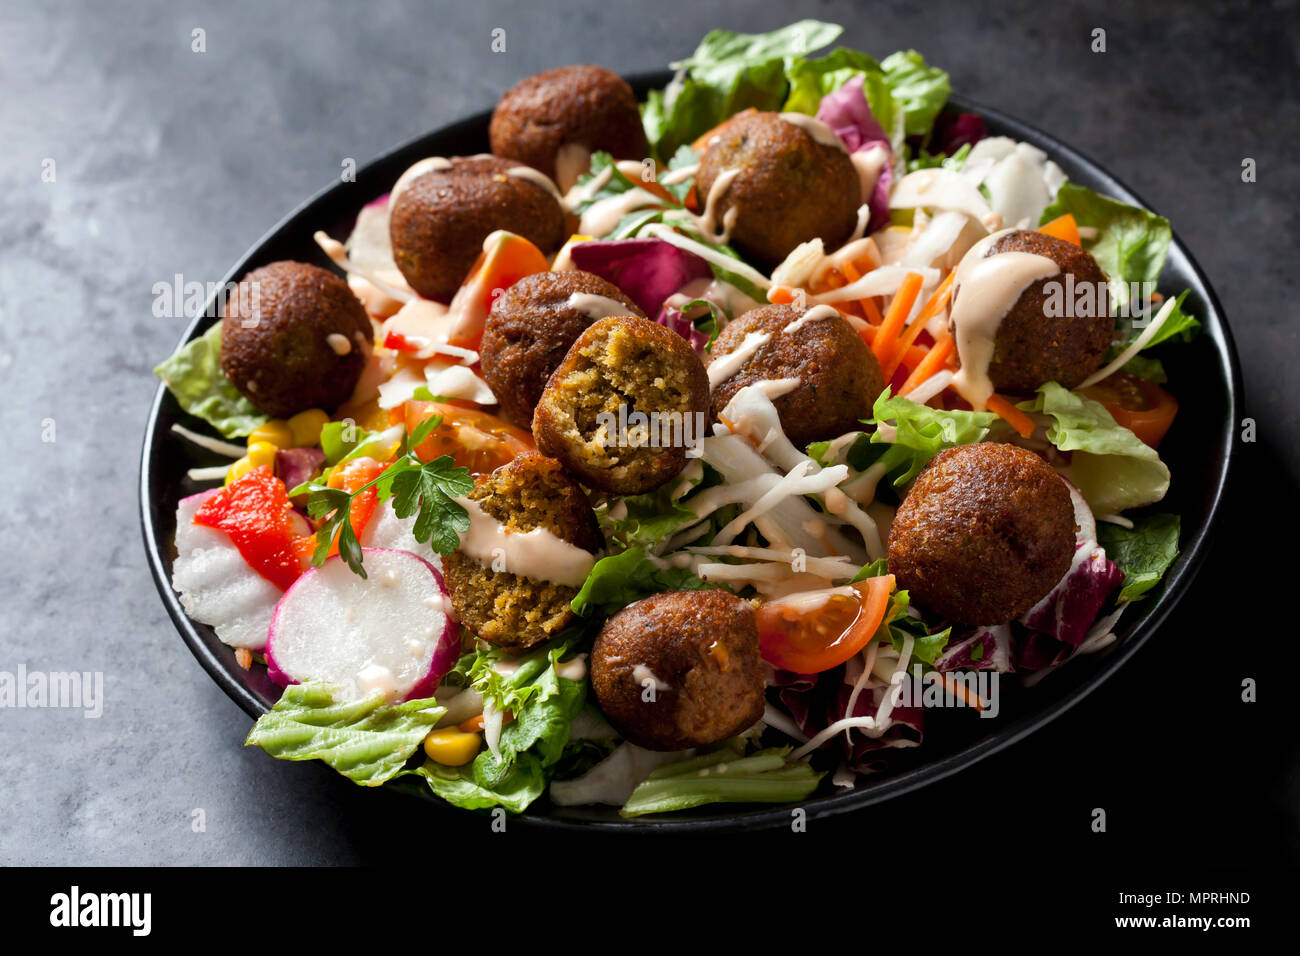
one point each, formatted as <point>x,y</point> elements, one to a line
<point>680,669</point>
<point>986,531</point>
<point>586,106</point>
<point>508,609</point>
<point>439,221</point>
<point>530,328</point>
<point>623,405</point>
<point>1032,347</point>
<point>790,188</point>
<point>294,337</point>
<point>839,377</point>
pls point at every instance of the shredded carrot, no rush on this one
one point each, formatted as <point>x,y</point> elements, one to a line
<point>932,364</point>
<point>1063,227</point>
<point>938,299</point>
<point>868,305</point>
<point>960,689</point>
<point>1011,415</point>
<point>780,295</point>
<point>909,357</point>
<point>896,316</point>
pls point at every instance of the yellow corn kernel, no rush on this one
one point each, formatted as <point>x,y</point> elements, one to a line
<point>261,453</point>
<point>451,747</point>
<point>238,470</point>
<point>276,432</point>
<point>306,427</point>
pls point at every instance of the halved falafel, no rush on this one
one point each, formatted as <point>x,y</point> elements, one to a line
<point>680,669</point>
<point>621,409</point>
<point>439,221</point>
<point>583,106</point>
<point>839,377</point>
<point>790,188</point>
<point>1032,344</point>
<point>531,327</point>
<point>499,606</point>
<point>294,337</point>
<point>985,532</point>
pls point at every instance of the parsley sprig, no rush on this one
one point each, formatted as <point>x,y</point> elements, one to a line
<point>425,489</point>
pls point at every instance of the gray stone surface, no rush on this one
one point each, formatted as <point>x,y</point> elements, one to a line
<point>168,161</point>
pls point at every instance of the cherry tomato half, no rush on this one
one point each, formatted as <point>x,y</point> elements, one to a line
<point>474,439</point>
<point>813,631</point>
<point>1143,407</point>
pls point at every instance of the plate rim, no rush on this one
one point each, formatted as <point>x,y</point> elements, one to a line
<point>1175,586</point>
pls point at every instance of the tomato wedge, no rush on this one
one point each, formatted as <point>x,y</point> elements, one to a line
<point>506,258</point>
<point>1143,407</point>
<point>474,439</point>
<point>813,631</point>
<point>254,511</point>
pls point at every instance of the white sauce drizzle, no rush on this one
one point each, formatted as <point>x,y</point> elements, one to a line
<point>984,291</point>
<point>596,306</point>
<point>571,161</point>
<point>537,554</point>
<point>815,128</point>
<point>818,313</point>
<point>537,178</point>
<point>725,366</point>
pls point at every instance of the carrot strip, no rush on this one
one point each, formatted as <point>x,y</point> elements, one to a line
<point>780,295</point>
<point>868,305</point>
<point>1063,227</point>
<point>1013,416</point>
<point>932,364</point>
<point>896,317</point>
<point>938,299</point>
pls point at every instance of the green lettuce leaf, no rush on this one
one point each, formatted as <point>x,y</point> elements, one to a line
<point>194,376</point>
<point>921,433</point>
<point>1131,243</point>
<point>620,579</point>
<point>727,73</point>
<point>766,776</point>
<point>919,89</point>
<point>810,80</point>
<point>458,786</point>
<point>543,704</point>
<point>1143,552</point>
<point>1111,466</point>
<point>366,740</point>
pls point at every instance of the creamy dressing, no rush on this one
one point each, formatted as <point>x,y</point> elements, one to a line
<point>869,164</point>
<point>571,161</point>
<point>818,313</point>
<point>339,343</point>
<point>538,554</point>
<point>574,669</point>
<point>575,196</point>
<point>645,677</point>
<point>815,128</point>
<point>429,164</point>
<point>596,306</point>
<point>602,216</point>
<point>709,254</point>
<point>708,222</point>
<point>985,289</point>
<point>680,175</point>
<point>338,254</point>
<point>722,368</point>
<point>774,388</point>
<point>537,178</point>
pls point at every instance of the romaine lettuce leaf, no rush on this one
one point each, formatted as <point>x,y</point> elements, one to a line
<point>921,432</point>
<point>918,88</point>
<point>721,777</point>
<point>618,580</point>
<point>1131,243</point>
<point>458,786</point>
<point>193,374</point>
<point>810,80</point>
<point>727,73</point>
<point>1110,466</point>
<point>1143,552</point>
<point>366,740</point>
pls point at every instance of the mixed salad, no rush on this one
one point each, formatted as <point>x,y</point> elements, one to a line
<point>926,370</point>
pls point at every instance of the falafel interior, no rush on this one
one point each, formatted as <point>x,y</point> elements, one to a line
<point>500,606</point>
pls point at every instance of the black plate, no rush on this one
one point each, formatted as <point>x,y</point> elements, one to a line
<point>1204,375</point>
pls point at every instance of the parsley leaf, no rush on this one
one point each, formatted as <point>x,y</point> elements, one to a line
<point>430,489</point>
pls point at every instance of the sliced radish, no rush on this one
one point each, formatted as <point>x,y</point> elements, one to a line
<point>216,585</point>
<point>386,530</point>
<point>391,631</point>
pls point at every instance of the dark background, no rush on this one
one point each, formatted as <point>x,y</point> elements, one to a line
<point>169,161</point>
